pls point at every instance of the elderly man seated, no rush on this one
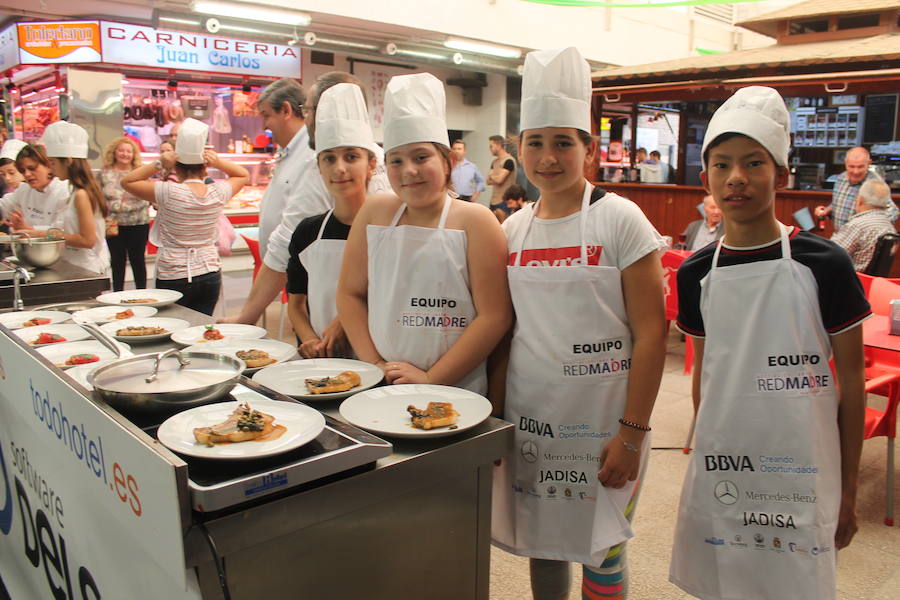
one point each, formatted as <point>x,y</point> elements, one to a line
<point>704,231</point>
<point>871,221</point>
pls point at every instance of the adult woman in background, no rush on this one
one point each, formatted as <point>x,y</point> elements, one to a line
<point>120,157</point>
<point>41,203</point>
<point>187,214</point>
<point>83,219</point>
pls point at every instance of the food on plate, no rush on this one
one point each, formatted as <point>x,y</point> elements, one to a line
<point>47,338</point>
<point>255,358</point>
<point>242,425</point>
<point>82,359</point>
<point>438,414</point>
<point>136,330</point>
<point>212,333</point>
<point>328,385</point>
<point>125,314</point>
<point>138,300</point>
<point>36,321</point>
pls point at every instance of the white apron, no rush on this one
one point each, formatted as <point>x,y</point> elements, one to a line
<point>96,259</point>
<point>419,296</point>
<point>565,392</point>
<point>322,260</point>
<point>761,498</point>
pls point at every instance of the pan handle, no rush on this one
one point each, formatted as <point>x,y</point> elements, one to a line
<point>182,361</point>
<point>102,337</point>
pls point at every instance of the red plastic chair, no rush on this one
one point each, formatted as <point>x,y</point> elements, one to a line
<point>881,292</point>
<point>866,281</point>
<point>884,423</point>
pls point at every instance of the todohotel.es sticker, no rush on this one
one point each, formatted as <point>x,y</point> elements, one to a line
<point>69,42</point>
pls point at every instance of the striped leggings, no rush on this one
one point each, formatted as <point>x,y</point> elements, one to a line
<point>551,579</point>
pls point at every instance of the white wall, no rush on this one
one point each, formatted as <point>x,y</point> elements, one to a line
<point>478,122</point>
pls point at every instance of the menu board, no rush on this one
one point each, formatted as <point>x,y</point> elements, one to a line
<point>881,118</point>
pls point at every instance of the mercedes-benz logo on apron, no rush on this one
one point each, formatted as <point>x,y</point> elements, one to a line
<point>726,492</point>
<point>529,451</point>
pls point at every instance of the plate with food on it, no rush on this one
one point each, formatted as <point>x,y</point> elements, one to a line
<point>43,335</point>
<point>241,430</point>
<point>415,410</point>
<point>256,354</point>
<point>320,378</point>
<point>73,354</point>
<point>203,334</point>
<point>113,314</point>
<point>33,318</point>
<point>154,297</point>
<point>144,330</point>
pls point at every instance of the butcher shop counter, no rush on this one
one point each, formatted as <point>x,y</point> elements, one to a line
<point>388,529</point>
<point>62,282</point>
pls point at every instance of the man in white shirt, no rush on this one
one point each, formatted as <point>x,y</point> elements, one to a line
<point>296,190</point>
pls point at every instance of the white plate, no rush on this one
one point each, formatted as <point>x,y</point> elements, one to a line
<point>383,410</point>
<point>160,297</point>
<point>72,333</point>
<point>81,372</point>
<point>170,325</point>
<point>303,425</point>
<point>290,378</point>
<point>107,314</point>
<point>58,354</point>
<point>280,351</point>
<point>14,320</point>
<point>194,335</point>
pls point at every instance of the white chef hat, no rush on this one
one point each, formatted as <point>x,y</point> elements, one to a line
<point>415,111</point>
<point>65,140</point>
<point>556,90</point>
<point>11,149</point>
<point>757,112</point>
<point>342,119</point>
<point>191,141</point>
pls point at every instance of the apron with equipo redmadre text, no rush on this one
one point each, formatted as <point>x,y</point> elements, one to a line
<point>322,260</point>
<point>566,390</point>
<point>419,297</point>
<point>760,504</point>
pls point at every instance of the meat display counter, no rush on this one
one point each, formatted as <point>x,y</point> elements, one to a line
<point>94,502</point>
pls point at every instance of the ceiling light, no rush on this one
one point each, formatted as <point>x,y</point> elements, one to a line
<point>193,22</point>
<point>251,12</point>
<point>483,48</point>
<point>419,54</point>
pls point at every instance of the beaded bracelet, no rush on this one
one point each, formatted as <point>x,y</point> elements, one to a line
<point>634,425</point>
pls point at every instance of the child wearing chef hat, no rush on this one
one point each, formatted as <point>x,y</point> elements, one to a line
<point>9,174</point>
<point>187,215</point>
<point>346,157</point>
<point>83,227</point>
<point>423,288</point>
<point>587,352</point>
<point>778,437</point>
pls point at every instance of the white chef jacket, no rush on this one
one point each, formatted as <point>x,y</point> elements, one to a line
<point>47,208</point>
<point>306,197</point>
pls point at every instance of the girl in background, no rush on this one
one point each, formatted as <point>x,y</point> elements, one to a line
<point>130,214</point>
<point>83,220</point>
<point>587,351</point>
<point>188,260</point>
<point>423,289</point>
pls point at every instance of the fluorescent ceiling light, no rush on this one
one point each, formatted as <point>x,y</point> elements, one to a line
<point>483,48</point>
<point>418,54</point>
<point>180,21</point>
<point>251,12</point>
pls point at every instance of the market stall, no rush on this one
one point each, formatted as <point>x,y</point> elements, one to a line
<point>91,502</point>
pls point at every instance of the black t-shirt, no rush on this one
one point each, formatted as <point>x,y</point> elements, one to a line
<point>510,165</point>
<point>305,234</point>
<point>842,301</point>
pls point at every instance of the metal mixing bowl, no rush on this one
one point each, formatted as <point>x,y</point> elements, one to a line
<point>38,252</point>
